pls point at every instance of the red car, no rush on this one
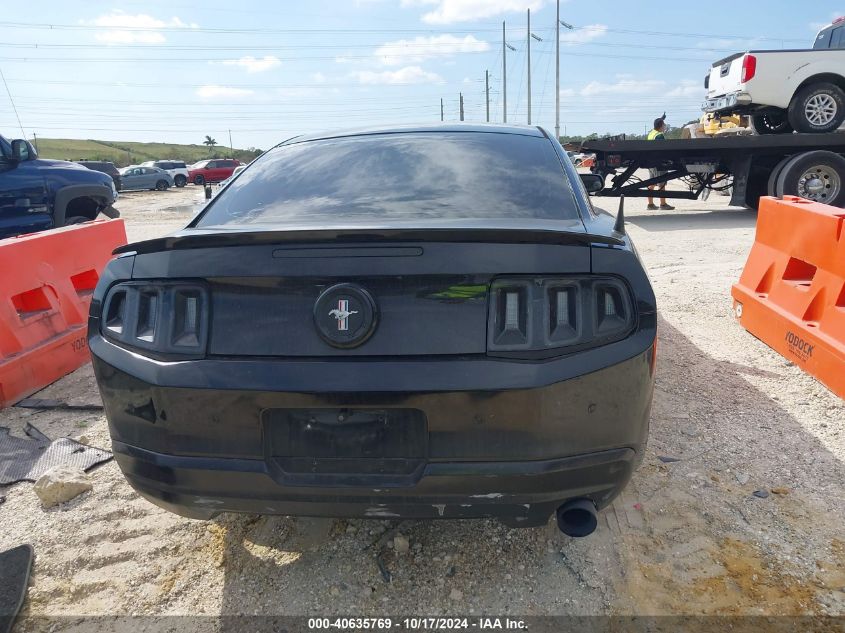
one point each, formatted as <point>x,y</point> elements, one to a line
<point>213,170</point>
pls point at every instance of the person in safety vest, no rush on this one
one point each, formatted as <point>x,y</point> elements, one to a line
<point>656,134</point>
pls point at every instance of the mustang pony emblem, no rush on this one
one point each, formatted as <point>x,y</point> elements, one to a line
<point>341,313</point>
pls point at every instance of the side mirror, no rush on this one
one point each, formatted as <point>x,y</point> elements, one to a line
<point>593,183</point>
<point>23,150</point>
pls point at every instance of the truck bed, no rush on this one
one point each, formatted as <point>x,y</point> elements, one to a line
<point>715,147</point>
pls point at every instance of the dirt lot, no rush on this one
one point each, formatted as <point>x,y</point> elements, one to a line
<point>686,537</point>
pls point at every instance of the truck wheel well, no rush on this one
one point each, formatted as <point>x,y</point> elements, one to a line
<point>84,207</point>
<point>837,80</point>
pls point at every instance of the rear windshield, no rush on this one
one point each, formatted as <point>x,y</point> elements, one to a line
<point>399,177</point>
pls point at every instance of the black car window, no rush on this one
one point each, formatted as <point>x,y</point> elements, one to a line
<point>836,37</point>
<point>178,165</point>
<point>210,165</point>
<point>823,39</point>
<point>436,175</point>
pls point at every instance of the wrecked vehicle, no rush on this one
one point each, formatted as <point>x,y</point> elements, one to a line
<point>428,322</point>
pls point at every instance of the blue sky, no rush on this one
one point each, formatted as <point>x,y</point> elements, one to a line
<point>176,71</point>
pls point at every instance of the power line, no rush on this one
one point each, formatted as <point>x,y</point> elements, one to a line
<point>315,58</point>
<point>197,29</point>
<point>12,101</point>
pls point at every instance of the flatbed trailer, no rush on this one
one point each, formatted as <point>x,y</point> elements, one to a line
<point>808,165</point>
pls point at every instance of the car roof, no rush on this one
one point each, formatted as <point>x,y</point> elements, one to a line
<point>497,128</point>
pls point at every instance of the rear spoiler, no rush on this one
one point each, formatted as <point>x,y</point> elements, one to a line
<point>216,238</point>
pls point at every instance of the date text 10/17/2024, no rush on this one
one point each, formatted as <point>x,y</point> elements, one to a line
<point>416,624</point>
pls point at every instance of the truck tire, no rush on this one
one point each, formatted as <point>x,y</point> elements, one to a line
<point>817,108</point>
<point>771,189</point>
<point>771,122</point>
<point>817,176</point>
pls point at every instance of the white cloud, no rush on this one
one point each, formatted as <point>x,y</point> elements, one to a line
<point>421,48</point>
<point>628,85</point>
<point>407,75</point>
<point>212,91</point>
<point>688,89</point>
<point>818,26</point>
<point>254,65</point>
<point>451,11</point>
<point>624,87</point>
<point>318,78</point>
<point>131,29</point>
<point>583,34</point>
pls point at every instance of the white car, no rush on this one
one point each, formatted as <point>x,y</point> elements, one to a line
<point>784,90</point>
<point>176,168</point>
<point>238,170</point>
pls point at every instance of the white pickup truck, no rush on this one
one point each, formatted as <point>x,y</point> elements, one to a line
<point>784,90</point>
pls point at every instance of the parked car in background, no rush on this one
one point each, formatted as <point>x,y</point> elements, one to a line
<point>238,170</point>
<point>577,157</point>
<point>784,90</point>
<point>176,168</point>
<point>137,177</point>
<point>38,194</point>
<point>213,170</point>
<point>105,167</point>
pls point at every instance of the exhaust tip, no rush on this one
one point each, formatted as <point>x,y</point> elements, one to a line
<point>577,518</point>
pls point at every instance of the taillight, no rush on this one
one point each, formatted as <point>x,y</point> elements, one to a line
<point>162,317</point>
<point>749,68</point>
<point>557,315</point>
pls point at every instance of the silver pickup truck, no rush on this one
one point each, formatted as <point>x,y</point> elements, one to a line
<point>784,90</point>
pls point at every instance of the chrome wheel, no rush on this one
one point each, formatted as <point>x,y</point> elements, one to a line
<point>820,184</point>
<point>820,109</point>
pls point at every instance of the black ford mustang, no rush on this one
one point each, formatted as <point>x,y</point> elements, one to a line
<point>413,322</point>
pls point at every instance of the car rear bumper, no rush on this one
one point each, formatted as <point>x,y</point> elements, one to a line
<point>727,103</point>
<point>520,493</point>
<point>503,439</point>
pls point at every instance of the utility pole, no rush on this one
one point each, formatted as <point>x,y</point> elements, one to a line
<point>231,148</point>
<point>528,39</point>
<point>557,72</point>
<point>35,140</point>
<point>504,76</point>
<point>441,109</point>
<point>558,24</point>
<point>539,39</point>
<point>461,94</point>
<point>487,92</point>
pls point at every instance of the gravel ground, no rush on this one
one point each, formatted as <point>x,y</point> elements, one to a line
<point>686,537</point>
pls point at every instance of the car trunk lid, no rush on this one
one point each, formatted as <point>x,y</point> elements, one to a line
<point>430,296</point>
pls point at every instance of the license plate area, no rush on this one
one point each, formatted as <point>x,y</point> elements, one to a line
<point>346,446</point>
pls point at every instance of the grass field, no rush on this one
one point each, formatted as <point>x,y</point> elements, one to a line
<point>125,153</point>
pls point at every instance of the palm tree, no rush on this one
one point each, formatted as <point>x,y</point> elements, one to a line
<point>210,142</point>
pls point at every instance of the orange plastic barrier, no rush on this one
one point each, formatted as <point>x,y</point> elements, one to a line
<point>791,294</point>
<point>46,283</point>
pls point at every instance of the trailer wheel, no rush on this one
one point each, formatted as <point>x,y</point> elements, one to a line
<point>771,189</point>
<point>771,122</point>
<point>817,108</point>
<point>817,176</point>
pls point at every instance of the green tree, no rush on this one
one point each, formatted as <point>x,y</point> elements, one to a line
<point>210,142</point>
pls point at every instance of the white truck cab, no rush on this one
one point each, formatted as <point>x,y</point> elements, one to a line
<point>784,90</point>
